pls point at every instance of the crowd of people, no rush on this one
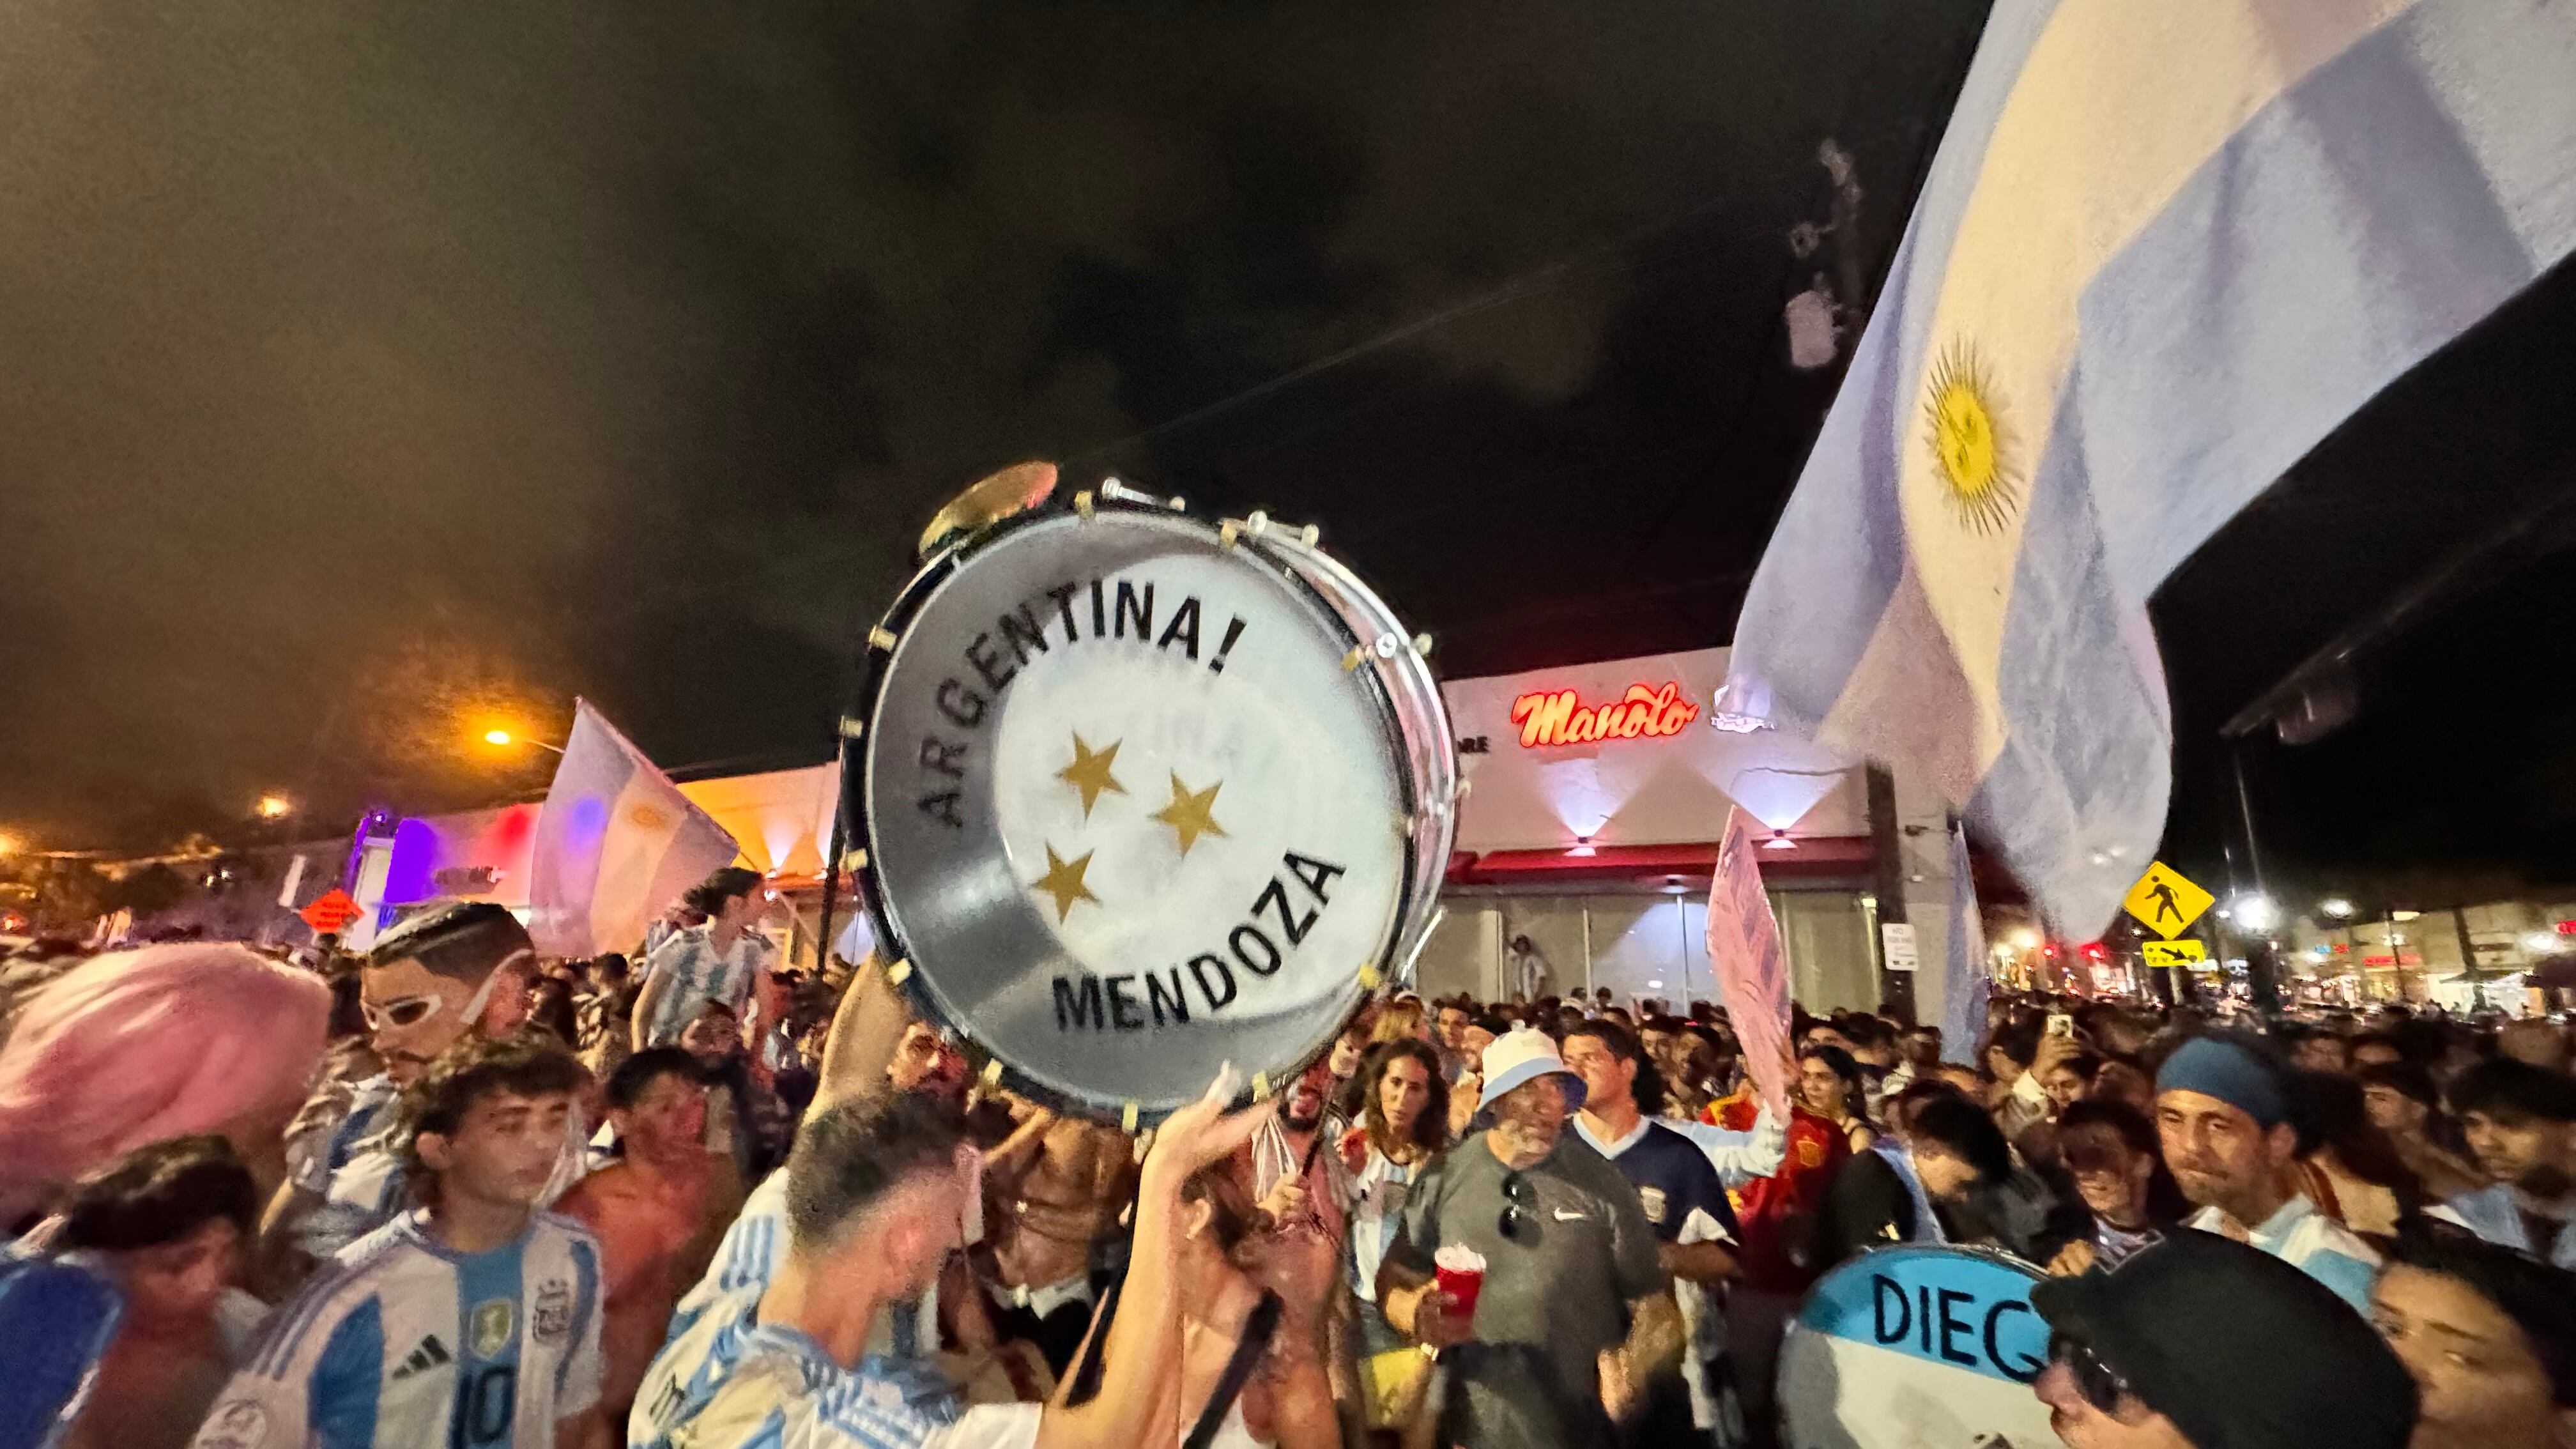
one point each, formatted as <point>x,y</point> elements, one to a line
<point>451,1192</point>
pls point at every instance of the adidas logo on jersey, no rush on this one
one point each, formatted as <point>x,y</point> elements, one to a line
<point>427,1354</point>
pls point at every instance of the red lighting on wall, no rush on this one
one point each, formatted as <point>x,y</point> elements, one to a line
<point>2567,928</point>
<point>1558,717</point>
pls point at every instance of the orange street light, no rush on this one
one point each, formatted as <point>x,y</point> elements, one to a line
<point>8,844</point>
<point>275,807</point>
<point>505,738</point>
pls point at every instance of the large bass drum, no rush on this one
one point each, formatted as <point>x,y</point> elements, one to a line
<point>1917,1347</point>
<point>1142,794</point>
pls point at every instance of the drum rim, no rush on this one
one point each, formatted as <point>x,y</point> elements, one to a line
<point>893,947</point>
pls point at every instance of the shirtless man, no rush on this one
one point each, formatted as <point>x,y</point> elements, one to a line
<point>1052,1191</point>
<point>658,1213</point>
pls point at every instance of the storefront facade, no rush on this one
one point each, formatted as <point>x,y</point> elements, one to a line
<point>1596,795</point>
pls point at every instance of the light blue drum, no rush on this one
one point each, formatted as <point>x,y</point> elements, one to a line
<point>1917,1347</point>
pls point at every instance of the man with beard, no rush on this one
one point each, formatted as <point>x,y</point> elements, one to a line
<point>1575,1315</point>
<point>1283,1148</point>
<point>2222,1112</point>
<point>452,969</point>
<point>2521,1125</point>
<point>1053,1194</point>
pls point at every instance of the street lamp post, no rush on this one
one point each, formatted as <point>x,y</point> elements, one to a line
<point>504,738</point>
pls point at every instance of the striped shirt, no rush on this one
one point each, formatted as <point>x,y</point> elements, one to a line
<point>713,1326</point>
<point>2309,1241</point>
<point>785,1393</point>
<point>694,973</point>
<point>404,1343</point>
<point>363,1184</point>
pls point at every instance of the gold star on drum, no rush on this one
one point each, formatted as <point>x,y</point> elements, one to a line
<point>1110,949</point>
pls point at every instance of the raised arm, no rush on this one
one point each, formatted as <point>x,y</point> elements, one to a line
<point>1140,1385</point>
<point>865,1029</point>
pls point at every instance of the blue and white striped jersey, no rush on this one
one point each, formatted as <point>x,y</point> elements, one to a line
<point>747,1258</point>
<point>785,1393</point>
<point>714,1324</point>
<point>365,1187</point>
<point>404,1343</point>
<point>712,1319</point>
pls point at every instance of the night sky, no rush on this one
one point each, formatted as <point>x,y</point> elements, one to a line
<point>373,372</point>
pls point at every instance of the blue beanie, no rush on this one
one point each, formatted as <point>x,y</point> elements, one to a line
<point>2217,1068</point>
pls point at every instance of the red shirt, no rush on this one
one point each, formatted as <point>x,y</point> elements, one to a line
<point>1776,1210</point>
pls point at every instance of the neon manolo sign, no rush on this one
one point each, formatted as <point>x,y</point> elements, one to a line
<point>1558,717</point>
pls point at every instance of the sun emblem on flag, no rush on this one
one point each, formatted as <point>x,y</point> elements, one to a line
<point>1971,446</point>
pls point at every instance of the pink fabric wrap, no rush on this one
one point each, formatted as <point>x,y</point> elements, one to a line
<point>137,1046</point>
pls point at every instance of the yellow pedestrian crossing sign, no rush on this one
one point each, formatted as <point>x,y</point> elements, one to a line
<point>2166,901</point>
<point>2175,953</point>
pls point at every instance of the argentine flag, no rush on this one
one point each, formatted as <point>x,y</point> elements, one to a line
<point>616,844</point>
<point>2165,247</point>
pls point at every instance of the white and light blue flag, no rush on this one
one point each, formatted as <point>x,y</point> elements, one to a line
<point>2165,247</point>
<point>1967,985</point>
<point>616,844</point>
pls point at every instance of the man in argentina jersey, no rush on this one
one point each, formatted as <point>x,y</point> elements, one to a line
<point>713,1319</point>
<point>470,1323</point>
<point>876,1192</point>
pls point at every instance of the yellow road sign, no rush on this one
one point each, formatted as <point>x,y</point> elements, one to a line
<point>2166,901</point>
<point>2175,953</point>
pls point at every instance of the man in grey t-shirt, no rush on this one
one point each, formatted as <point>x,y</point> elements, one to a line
<point>1575,1313</point>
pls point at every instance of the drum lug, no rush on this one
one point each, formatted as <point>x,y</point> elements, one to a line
<point>880,638</point>
<point>1118,492</point>
<point>855,860</point>
<point>1261,1086</point>
<point>1422,644</point>
<point>1352,660</point>
<point>1368,978</point>
<point>852,727</point>
<point>1082,503</point>
<point>898,973</point>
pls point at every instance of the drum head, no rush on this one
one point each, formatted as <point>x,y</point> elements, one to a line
<point>1916,1348</point>
<point>1128,814</point>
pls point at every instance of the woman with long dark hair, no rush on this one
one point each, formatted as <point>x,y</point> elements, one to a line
<point>1829,1085</point>
<point>1404,1120</point>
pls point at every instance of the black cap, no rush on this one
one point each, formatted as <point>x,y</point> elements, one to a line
<point>2238,1348</point>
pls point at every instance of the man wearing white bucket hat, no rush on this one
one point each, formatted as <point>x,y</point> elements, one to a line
<point>1573,1313</point>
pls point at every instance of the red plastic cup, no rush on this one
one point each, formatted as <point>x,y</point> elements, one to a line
<point>1462,1285</point>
